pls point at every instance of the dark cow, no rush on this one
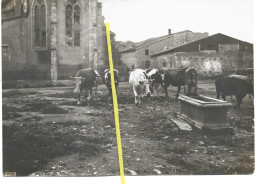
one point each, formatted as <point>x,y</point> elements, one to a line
<point>107,81</point>
<point>156,77</point>
<point>174,77</point>
<point>84,80</point>
<point>237,85</point>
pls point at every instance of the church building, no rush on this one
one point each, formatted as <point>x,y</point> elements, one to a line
<point>53,38</point>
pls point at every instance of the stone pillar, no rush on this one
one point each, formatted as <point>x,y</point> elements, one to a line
<point>85,33</point>
<point>93,49</point>
<point>54,60</point>
<point>100,38</point>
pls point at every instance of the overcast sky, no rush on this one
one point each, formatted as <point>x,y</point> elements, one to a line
<point>137,20</point>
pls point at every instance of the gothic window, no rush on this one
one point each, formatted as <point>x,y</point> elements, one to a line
<point>72,12</point>
<point>39,24</point>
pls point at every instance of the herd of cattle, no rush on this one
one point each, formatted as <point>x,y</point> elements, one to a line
<point>145,81</point>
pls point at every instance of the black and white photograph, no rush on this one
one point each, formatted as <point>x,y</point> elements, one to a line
<point>183,79</point>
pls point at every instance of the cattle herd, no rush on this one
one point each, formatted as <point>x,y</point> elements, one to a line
<point>144,82</point>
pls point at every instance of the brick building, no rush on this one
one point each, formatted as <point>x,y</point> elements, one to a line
<point>52,37</point>
<point>140,53</point>
<point>213,55</point>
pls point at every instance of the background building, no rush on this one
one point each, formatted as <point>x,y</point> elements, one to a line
<point>139,54</point>
<point>213,55</point>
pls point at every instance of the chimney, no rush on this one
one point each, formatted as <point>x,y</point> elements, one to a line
<point>169,31</point>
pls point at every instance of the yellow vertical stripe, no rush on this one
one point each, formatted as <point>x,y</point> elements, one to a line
<point>115,104</point>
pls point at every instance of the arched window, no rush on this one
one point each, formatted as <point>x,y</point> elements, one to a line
<point>72,15</point>
<point>39,24</point>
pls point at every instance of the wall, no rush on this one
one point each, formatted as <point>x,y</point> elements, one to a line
<point>174,40</point>
<point>206,63</point>
<point>91,49</point>
<point>248,59</point>
<point>16,33</point>
<point>104,63</point>
<point>102,47</point>
<point>16,39</point>
<point>66,54</point>
<point>129,59</point>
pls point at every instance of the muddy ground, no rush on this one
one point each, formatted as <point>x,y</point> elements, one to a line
<point>46,134</point>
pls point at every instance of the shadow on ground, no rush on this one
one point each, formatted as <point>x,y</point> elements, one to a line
<point>28,147</point>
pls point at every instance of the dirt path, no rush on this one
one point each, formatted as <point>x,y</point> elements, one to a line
<point>46,134</point>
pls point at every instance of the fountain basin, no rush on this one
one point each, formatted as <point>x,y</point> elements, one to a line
<point>205,112</point>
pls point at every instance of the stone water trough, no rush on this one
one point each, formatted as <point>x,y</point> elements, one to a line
<point>205,112</point>
<point>202,111</point>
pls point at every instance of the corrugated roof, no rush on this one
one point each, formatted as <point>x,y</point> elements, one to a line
<point>148,41</point>
<point>151,41</point>
<point>128,50</point>
<point>144,44</point>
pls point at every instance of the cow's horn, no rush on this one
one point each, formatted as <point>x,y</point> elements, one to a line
<point>106,70</point>
<point>77,77</point>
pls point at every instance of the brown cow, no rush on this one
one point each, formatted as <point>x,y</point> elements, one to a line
<point>84,79</point>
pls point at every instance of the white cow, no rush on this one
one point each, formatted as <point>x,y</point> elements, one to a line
<point>140,83</point>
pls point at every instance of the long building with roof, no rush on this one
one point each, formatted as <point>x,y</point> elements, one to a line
<point>213,55</point>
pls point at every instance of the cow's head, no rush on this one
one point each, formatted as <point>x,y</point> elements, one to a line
<point>157,78</point>
<point>107,78</point>
<point>162,76</point>
<point>78,81</point>
<point>146,84</point>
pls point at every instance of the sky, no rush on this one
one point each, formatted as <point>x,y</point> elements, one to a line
<point>137,20</point>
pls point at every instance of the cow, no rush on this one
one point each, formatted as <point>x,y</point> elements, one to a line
<point>140,83</point>
<point>156,77</point>
<point>107,81</point>
<point>174,77</point>
<point>237,85</point>
<point>84,80</point>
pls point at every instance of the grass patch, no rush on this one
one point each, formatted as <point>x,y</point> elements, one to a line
<point>45,107</point>
<point>66,94</point>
